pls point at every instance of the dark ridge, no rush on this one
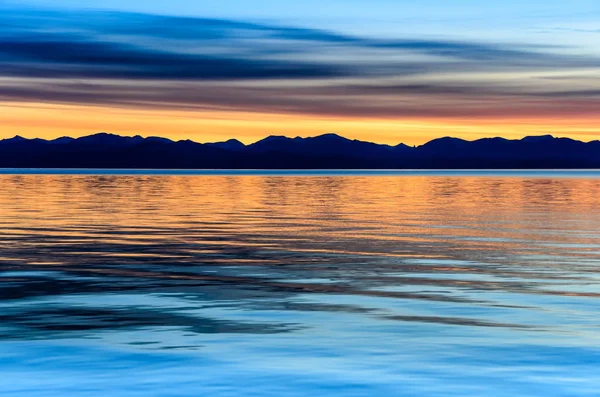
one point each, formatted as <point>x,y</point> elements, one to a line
<point>326,151</point>
<point>232,144</point>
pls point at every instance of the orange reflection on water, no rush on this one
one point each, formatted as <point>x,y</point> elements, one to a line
<point>388,209</point>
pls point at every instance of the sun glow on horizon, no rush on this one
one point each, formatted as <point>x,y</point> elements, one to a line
<point>49,121</point>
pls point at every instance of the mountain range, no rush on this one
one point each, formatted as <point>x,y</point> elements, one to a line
<point>329,151</point>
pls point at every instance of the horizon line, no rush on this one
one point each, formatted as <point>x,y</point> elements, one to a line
<point>17,136</point>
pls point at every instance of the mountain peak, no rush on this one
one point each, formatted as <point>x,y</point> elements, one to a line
<point>104,138</point>
<point>449,139</point>
<point>231,144</point>
<point>445,142</point>
<point>102,135</point>
<point>538,138</point>
<point>62,140</point>
<point>330,135</point>
<point>16,138</point>
<point>275,138</point>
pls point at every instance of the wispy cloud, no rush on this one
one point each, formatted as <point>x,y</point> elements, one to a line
<point>128,59</point>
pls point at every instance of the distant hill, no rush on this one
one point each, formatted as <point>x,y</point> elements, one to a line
<point>327,151</point>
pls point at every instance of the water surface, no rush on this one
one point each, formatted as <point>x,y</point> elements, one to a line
<point>314,283</point>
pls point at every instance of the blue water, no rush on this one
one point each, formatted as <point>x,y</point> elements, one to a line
<point>279,283</point>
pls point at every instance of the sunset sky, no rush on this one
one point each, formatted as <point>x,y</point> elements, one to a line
<point>388,71</point>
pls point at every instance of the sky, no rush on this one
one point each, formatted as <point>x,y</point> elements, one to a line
<point>388,71</point>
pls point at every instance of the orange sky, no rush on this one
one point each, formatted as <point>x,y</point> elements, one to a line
<point>37,120</point>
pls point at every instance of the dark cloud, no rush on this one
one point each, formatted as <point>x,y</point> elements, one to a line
<point>94,59</point>
<point>344,100</point>
<point>584,93</point>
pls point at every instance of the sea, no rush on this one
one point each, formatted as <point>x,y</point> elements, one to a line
<point>299,283</point>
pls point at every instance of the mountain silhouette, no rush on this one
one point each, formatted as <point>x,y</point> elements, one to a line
<point>323,145</point>
<point>327,151</point>
<point>232,144</point>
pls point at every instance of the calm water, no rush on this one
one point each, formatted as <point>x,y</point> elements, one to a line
<point>312,284</point>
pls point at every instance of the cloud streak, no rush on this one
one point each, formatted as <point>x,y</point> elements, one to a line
<point>147,61</point>
<point>94,59</point>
